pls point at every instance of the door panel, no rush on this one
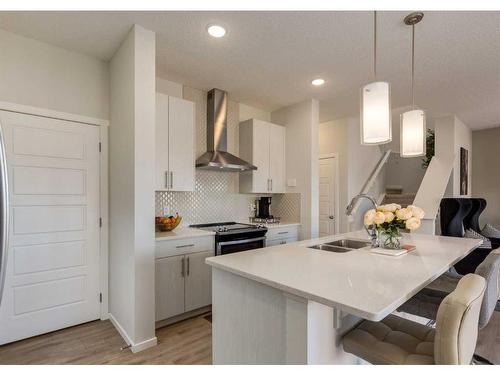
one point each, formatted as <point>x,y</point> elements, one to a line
<point>161,138</point>
<point>169,286</point>
<point>181,147</point>
<point>277,158</point>
<point>52,279</point>
<point>261,156</point>
<point>198,281</point>
<point>326,197</point>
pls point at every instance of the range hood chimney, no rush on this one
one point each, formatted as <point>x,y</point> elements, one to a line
<point>217,157</point>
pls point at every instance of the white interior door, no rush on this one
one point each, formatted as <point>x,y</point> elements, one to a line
<point>327,204</point>
<point>52,278</point>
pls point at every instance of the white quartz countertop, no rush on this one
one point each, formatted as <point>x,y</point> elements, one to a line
<point>182,232</point>
<point>358,282</point>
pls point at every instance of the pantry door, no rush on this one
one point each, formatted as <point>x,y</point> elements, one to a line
<point>52,278</point>
<point>327,196</point>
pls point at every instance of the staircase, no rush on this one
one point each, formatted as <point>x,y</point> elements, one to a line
<point>404,199</point>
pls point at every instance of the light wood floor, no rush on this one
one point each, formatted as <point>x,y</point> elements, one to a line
<point>187,342</point>
<point>98,342</point>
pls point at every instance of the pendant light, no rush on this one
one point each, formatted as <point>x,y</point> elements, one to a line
<point>375,116</point>
<point>413,121</point>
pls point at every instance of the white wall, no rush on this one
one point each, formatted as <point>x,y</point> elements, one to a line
<point>333,137</point>
<point>486,177</point>
<point>41,75</point>
<point>451,134</point>
<point>302,152</point>
<point>169,87</point>
<point>356,162</point>
<point>247,112</point>
<point>362,160</point>
<point>405,172</point>
<point>463,138</point>
<point>132,160</point>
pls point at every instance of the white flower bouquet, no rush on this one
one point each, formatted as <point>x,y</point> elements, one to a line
<point>390,219</point>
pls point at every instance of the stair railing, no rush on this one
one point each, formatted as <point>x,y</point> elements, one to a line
<point>372,179</point>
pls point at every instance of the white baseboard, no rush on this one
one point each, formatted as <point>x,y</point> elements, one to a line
<point>134,347</point>
<point>120,329</point>
<point>144,345</point>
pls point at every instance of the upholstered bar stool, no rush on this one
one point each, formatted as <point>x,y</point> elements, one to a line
<point>426,302</point>
<point>398,341</point>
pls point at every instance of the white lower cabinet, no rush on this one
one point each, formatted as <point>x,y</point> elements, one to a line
<point>282,235</point>
<point>198,282</point>
<point>169,281</point>
<point>183,283</point>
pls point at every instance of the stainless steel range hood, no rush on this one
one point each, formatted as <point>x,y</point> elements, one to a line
<point>217,157</point>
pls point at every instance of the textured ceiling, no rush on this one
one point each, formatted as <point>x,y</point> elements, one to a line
<point>268,59</point>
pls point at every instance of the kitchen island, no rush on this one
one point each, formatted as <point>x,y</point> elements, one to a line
<point>291,304</point>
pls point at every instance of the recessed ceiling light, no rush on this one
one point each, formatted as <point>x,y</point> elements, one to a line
<point>318,82</point>
<point>216,31</point>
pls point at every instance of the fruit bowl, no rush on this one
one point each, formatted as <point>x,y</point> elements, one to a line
<point>166,224</point>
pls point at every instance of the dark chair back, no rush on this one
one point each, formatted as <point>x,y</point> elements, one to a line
<point>452,214</point>
<point>471,220</point>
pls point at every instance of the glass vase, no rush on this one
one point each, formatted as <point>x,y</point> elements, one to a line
<point>390,239</point>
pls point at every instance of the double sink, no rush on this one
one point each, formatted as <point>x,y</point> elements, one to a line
<point>341,246</point>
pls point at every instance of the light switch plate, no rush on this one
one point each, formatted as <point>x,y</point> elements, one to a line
<point>291,182</point>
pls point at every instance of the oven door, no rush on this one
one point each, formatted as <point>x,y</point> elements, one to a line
<point>228,247</point>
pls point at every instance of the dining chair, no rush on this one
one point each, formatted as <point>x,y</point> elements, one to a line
<point>398,341</point>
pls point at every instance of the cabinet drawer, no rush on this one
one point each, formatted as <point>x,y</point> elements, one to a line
<point>281,241</point>
<point>285,232</point>
<point>184,246</point>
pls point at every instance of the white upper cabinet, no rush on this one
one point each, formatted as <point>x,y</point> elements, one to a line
<point>175,144</point>
<point>263,145</point>
<point>277,158</point>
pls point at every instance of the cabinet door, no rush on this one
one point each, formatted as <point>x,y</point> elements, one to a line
<point>277,158</point>
<point>161,142</point>
<point>181,146</point>
<point>198,281</point>
<point>261,157</point>
<point>169,286</point>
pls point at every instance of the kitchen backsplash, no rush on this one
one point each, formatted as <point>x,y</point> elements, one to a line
<point>216,197</point>
<point>214,200</point>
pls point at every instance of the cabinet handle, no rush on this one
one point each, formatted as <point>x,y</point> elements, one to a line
<point>171,180</point>
<point>268,184</point>
<point>182,269</point>
<point>188,266</point>
<point>271,184</point>
<point>282,232</point>
<point>181,246</point>
<point>166,179</point>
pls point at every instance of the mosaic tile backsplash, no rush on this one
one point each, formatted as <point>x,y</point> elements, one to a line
<point>214,200</point>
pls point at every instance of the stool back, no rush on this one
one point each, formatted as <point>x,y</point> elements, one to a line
<point>457,322</point>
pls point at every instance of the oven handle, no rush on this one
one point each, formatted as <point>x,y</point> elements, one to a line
<point>220,244</point>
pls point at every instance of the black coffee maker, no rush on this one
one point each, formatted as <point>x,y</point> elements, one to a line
<point>264,208</point>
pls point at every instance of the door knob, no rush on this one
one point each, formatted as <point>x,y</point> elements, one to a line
<point>331,217</point>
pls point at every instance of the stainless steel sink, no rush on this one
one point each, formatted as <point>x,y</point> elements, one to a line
<point>333,249</point>
<point>349,244</point>
<point>341,246</point>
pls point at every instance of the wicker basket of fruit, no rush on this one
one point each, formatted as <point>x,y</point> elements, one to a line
<point>167,223</point>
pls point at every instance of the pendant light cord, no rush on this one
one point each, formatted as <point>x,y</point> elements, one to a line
<point>412,66</point>
<point>375,45</point>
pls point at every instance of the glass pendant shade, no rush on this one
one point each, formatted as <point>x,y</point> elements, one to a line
<point>376,113</point>
<point>413,133</point>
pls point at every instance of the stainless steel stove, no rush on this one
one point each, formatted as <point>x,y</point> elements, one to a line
<point>232,237</point>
